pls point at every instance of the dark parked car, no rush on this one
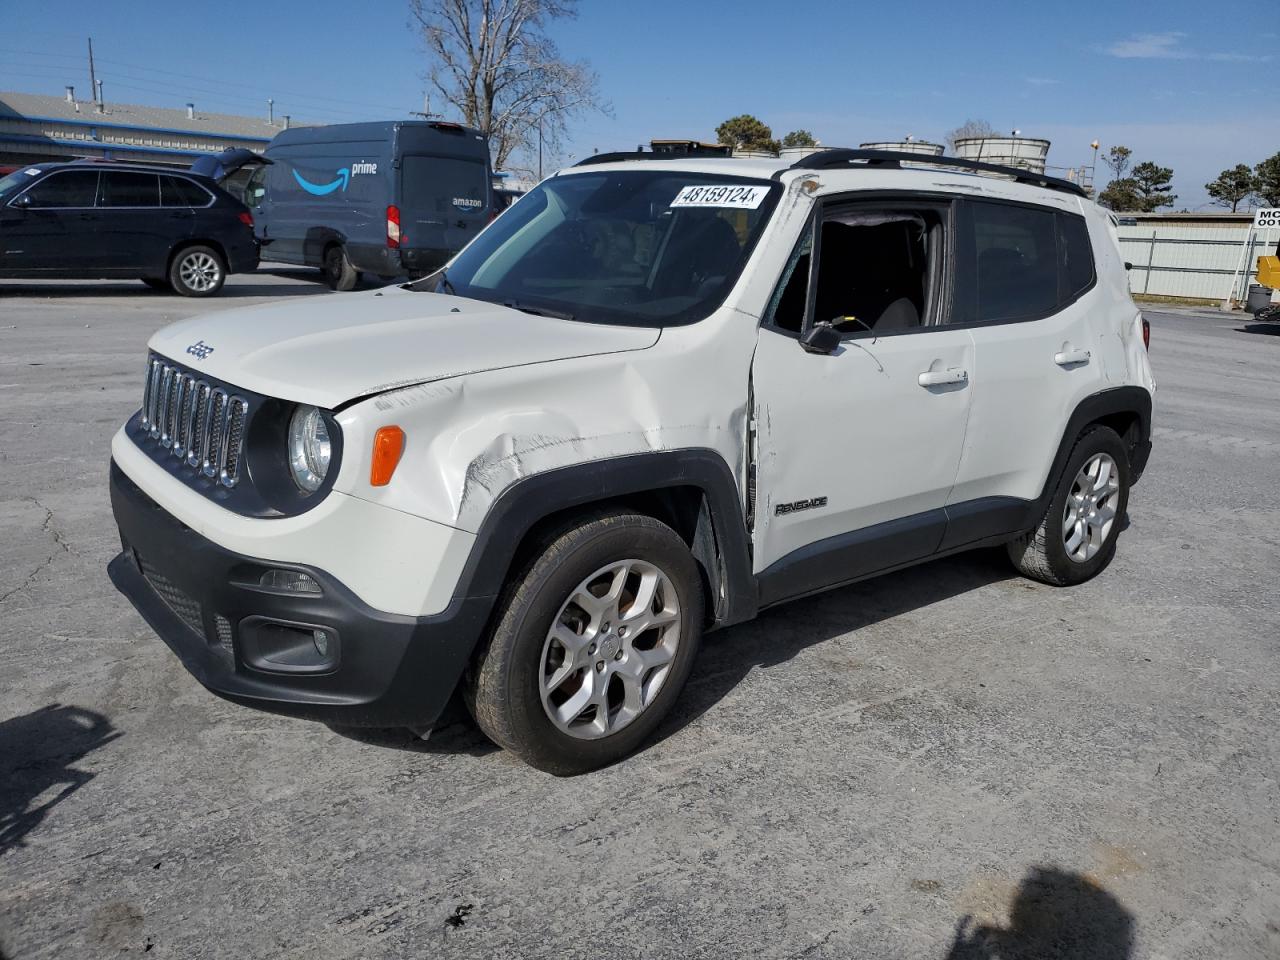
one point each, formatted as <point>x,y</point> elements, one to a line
<point>103,220</point>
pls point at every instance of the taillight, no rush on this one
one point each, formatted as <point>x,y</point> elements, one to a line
<point>245,217</point>
<point>1146,333</point>
<point>393,226</point>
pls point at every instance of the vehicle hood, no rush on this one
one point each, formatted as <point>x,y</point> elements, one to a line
<point>328,350</point>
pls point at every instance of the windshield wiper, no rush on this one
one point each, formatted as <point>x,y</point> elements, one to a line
<point>538,311</point>
<point>445,285</point>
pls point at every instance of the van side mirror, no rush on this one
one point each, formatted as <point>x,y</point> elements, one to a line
<point>821,338</point>
<point>22,202</point>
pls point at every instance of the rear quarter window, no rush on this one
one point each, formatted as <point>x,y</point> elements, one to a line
<point>444,185</point>
<point>181,192</point>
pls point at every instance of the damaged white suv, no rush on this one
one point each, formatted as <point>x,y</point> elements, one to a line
<point>656,396</point>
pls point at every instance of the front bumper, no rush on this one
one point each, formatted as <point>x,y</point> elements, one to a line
<point>208,605</point>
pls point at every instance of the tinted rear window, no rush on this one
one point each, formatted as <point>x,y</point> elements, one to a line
<point>72,188</point>
<point>444,185</point>
<point>1077,255</point>
<point>121,189</point>
<point>181,192</point>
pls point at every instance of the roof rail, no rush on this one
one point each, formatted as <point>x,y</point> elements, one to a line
<point>621,155</point>
<point>894,159</point>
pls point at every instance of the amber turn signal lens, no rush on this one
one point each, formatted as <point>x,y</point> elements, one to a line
<point>388,445</point>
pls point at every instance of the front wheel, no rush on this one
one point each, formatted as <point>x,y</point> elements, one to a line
<point>596,640</point>
<point>1076,538</point>
<point>197,272</point>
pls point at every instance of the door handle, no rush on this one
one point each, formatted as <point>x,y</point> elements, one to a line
<point>1065,358</point>
<point>938,378</point>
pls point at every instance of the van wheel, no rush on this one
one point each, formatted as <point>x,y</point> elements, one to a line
<point>197,272</point>
<point>1076,538</point>
<point>338,271</point>
<point>157,283</point>
<point>595,641</point>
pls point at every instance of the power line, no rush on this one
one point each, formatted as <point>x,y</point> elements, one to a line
<point>139,68</point>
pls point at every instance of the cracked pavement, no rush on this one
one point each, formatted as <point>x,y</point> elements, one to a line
<point>946,763</point>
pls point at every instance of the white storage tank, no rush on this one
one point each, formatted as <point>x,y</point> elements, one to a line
<point>1025,153</point>
<point>905,146</point>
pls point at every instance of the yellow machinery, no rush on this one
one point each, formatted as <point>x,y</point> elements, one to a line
<point>1269,276</point>
<point>1269,272</point>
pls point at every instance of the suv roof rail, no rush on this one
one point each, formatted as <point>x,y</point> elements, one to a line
<point>620,155</point>
<point>894,159</point>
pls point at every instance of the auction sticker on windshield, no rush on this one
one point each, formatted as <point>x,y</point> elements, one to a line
<point>737,196</point>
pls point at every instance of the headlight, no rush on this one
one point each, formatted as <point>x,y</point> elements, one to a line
<point>309,448</point>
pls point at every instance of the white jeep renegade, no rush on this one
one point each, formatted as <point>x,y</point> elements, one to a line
<point>656,396</point>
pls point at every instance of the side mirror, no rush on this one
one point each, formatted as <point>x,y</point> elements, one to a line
<point>821,338</point>
<point>22,202</point>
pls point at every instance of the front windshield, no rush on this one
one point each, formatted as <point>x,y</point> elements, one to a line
<point>15,180</point>
<point>644,247</point>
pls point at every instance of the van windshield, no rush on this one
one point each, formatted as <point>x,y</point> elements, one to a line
<point>643,247</point>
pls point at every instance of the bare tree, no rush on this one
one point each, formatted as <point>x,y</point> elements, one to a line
<point>970,128</point>
<point>494,64</point>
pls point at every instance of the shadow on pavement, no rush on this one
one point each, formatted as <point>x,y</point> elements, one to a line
<point>454,733</point>
<point>779,634</point>
<point>1268,329</point>
<point>36,754</point>
<point>1055,915</point>
<point>727,657</point>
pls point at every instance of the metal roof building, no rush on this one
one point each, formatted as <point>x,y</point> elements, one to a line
<point>36,127</point>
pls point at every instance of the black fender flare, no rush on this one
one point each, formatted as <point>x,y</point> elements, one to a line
<point>534,498</point>
<point>1117,400</point>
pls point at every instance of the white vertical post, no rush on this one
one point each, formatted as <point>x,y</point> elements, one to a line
<point>1244,249</point>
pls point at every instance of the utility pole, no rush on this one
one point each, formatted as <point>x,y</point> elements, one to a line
<point>93,78</point>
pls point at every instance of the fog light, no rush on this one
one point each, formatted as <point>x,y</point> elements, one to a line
<point>321,640</point>
<point>289,580</point>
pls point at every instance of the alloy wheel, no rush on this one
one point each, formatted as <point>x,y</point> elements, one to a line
<point>609,649</point>
<point>199,271</point>
<point>1091,507</point>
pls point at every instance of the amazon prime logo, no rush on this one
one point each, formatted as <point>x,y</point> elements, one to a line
<point>199,349</point>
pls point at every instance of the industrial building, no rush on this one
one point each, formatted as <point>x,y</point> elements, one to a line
<point>36,127</point>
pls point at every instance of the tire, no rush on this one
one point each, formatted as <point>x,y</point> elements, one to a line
<point>633,676</point>
<point>338,271</point>
<point>1076,538</point>
<point>197,272</point>
<point>158,283</point>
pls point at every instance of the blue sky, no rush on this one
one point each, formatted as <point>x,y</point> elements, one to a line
<point>1182,87</point>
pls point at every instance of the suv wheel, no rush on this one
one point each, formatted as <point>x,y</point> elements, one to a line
<point>197,272</point>
<point>595,641</point>
<point>1076,538</point>
<point>338,271</point>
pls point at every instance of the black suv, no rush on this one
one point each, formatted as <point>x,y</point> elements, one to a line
<point>101,220</point>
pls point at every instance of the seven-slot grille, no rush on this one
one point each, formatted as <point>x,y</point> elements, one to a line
<point>199,422</point>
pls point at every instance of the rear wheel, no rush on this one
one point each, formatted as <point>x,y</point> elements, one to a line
<point>595,641</point>
<point>1076,538</point>
<point>197,272</point>
<point>338,271</point>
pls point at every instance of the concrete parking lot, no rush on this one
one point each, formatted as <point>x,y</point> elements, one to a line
<point>946,763</point>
